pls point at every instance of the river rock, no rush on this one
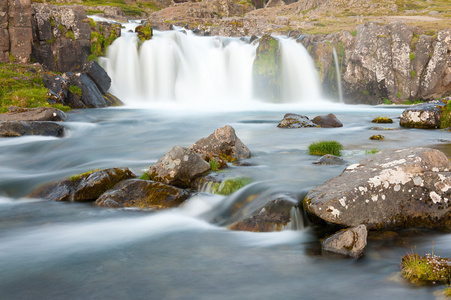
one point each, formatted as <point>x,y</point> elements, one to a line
<point>327,121</point>
<point>330,159</point>
<point>58,88</point>
<point>295,121</point>
<point>98,75</point>
<point>425,116</point>
<point>90,93</point>
<point>33,114</point>
<point>86,187</point>
<point>396,188</point>
<point>21,128</point>
<point>222,144</point>
<point>348,242</point>
<point>143,194</point>
<point>274,216</point>
<point>179,167</point>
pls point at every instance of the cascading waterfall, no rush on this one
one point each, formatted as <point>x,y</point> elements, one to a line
<point>180,67</point>
<point>337,69</point>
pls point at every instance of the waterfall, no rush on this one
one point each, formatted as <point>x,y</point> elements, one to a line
<point>337,70</point>
<point>180,67</point>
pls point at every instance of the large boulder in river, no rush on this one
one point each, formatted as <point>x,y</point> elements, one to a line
<point>327,121</point>
<point>33,114</point>
<point>348,242</point>
<point>425,116</point>
<point>222,144</point>
<point>143,194</point>
<point>21,128</point>
<point>83,187</point>
<point>393,189</point>
<point>296,121</point>
<point>179,167</point>
<point>98,75</point>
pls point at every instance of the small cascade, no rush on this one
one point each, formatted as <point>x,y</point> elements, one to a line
<point>337,69</point>
<point>179,67</point>
<point>297,220</point>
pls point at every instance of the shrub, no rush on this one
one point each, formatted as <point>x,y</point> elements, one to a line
<point>325,147</point>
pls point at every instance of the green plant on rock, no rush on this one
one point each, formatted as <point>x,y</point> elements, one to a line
<point>85,174</point>
<point>412,56</point>
<point>230,185</point>
<point>382,120</point>
<point>445,119</point>
<point>325,147</point>
<point>145,176</point>
<point>372,151</point>
<point>354,32</point>
<point>75,90</point>
<point>214,166</point>
<point>387,101</point>
<point>70,35</point>
<point>413,74</point>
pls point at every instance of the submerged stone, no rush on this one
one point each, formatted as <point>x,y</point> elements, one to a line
<point>327,121</point>
<point>349,242</point>
<point>21,128</point>
<point>330,159</point>
<point>295,121</point>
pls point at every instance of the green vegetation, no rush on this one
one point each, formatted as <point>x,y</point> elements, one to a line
<point>387,101</point>
<point>372,151</point>
<point>325,147</point>
<point>22,86</point>
<point>214,166</point>
<point>354,32</point>
<point>398,95</point>
<point>85,174</point>
<point>413,74</point>
<point>410,102</point>
<point>145,176</point>
<point>144,32</point>
<point>70,35</point>
<point>93,12</point>
<point>130,10</point>
<point>445,120</point>
<point>75,90</point>
<point>229,185</point>
<point>382,120</point>
<point>428,269</point>
<point>412,56</point>
<point>377,137</point>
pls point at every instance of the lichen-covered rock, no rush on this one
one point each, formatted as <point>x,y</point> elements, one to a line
<point>377,137</point>
<point>330,159</point>
<point>33,114</point>
<point>144,32</point>
<point>296,121</point>
<point>21,128</point>
<point>144,194</point>
<point>425,116</point>
<point>86,187</point>
<point>266,69</point>
<point>392,189</point>
<point>349,242</point>
<point>179,167</point>
<point>327,121</point>
<point>384,120</point>
<point>274,216</point>
<point>222,144</point>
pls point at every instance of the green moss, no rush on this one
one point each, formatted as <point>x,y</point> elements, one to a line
<point>214,166</point>
<point>70,35</point>
<point>382,120</point>
<point>51,41</point>
<point>377,137</point>
<point>387,101</point>
<point>398,95</point>
<point>61,28</point>
<point>93,12</point>
<point>144,32</point>
<point>354,32</point>
<point>230,185</point>
<point>145,176</point>
<point>325,147</point>
<point>412,56</point>
<point>82,175</point>
<point>76,90</point>
<point>445,120</point>
<point>366,93</point>
<point>428,269</point>
<point>372,151</point>
<point>413,74</point>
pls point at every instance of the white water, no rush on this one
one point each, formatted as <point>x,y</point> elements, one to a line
<point>337,69</point>
<point>177,67</point>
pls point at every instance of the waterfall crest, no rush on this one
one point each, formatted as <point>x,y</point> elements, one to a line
<point>180,67</point>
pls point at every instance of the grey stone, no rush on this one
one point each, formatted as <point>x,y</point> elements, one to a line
<point>296,121</point>
<point>349,242</point>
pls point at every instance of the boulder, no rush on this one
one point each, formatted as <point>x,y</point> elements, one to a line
<point>58,87</point>
<point>90,94</point>
<point>86,187</point>
<point>143,194</point>
<point>98,75</point>
<point>33,114</point>
<point>274,216</point>
<point>179,167</point>
<point>329,159</point>
<point>295,121</point>
<point>21,128</point>
<point>385,120</point>
<point>425,116</point>
<point>349,242</point>
<point>327,121</point>
<point>222,144</point>
<point>396,188</point>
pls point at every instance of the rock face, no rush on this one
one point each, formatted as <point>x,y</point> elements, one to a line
<point>222,144</point>
<point>179,167</point>
<point>422,116</point>
<point>21,128</point>
<point>15,31</point>
<point>295,121</point>
<point>266,69</point>
<point>348,242</point>
<point>84,187</point>
<point>392,189</point>
<point>327,121</point>
<point>33,114</point>
<point>274,216</point>
<point>142,194</point>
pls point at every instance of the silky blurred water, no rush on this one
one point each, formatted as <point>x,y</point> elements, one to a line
<point>51,250</point>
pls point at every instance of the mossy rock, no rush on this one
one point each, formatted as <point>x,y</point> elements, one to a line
<point>377,137</point>
<point>144,32</point>
<point>382,120</point>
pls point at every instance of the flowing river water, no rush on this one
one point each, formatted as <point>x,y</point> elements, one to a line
<point>53,250</point>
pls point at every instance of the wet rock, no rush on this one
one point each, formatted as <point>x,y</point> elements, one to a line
<point>90,93</point>
<point>295,121</point>
<point>393,189</point>
<point>377,137</point>
<point>385,120</point>
<point>349,242</point>
<point>58,87</point>
<point>33,114</point>
<point>327,121</point>
<point>425,116</point>
<point>98,75</point>
<point>220,183</point>
<point>330,159</point>
<point>112,100</point>
<point>179,167</point>
<point>223,145</point>
<point>21,128</point>
<point>144,32</point>
<point>143,194</point>
<point>274,216</point>
<point>86,187</point>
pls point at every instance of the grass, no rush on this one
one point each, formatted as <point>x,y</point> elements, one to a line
<point>230,185</point>
<point>145,176</point>
<point>445,120</point>
<point>22,86</point>
<point>325,147</point>
<point>372,151</point>
<point>214,166</point>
